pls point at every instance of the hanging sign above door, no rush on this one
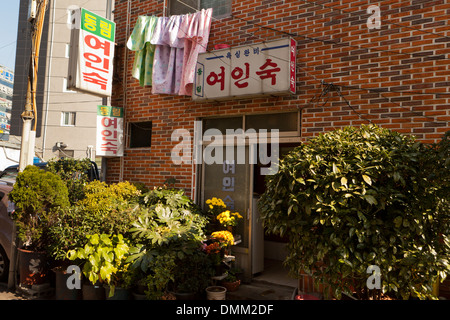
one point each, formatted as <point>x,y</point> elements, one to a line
<point>250,70</point>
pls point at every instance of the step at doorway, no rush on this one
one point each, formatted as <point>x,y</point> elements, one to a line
<point>274,272</point>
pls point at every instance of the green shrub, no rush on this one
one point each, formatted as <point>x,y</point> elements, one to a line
<point>358,197</point>
<point>39,197</point>
<point>105,209</point>
<point>167,235</point>
<point>103,258</point>
<point>74,173</point>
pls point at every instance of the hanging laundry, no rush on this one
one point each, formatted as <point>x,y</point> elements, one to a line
<point>195,31</point>
<point>168,57</point>
<point>139,42</point>
<point>167,50</point>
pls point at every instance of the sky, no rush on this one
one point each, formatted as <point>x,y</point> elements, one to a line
<point>9,17</point>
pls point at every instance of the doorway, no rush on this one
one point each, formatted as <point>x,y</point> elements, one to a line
<point>239,181</point>
<point>269,250</point>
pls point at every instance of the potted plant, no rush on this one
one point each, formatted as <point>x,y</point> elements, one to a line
<point>192,275</point>
<point>167,234</point>
<point>216,293</point>
<point>221,218</point>
<point>362,197</point>
<point>104,209</point>
<point>231,282</point>
<point>152,270</point>
<point>215,254</point>
<point>104,261</point>
<point>39,198</point>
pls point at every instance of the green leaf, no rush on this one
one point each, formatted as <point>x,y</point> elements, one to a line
<point>335,186</point>
<point>398,221</point>
<point>344,181</point>
<point>370,199</point>
<point>367,179</point>
<point>335,169</point>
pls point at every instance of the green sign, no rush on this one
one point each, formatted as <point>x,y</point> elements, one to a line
<point>108,111</point>
<point>97,25</point>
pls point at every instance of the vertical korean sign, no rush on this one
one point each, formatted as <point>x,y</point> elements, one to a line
<point>91,53</point>
<point>109,131</point>
<point>250,70</point>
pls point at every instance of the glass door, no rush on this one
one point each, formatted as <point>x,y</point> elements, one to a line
<point>230,180</point>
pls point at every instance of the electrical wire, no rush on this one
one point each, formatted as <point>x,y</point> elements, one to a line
<point>338,87</point>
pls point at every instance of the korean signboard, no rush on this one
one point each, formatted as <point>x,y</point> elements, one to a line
<point>91,54</point>
<point>7,75</point>
<point>257,69</point>
<point>109,131</point>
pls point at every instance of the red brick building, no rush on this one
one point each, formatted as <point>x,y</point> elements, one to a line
<point>348,73</point>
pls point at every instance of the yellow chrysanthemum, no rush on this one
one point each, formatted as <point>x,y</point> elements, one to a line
<point>225,236</point>
<point>226,218</point>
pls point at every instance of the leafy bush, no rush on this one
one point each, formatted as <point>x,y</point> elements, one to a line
<point>74,173</point>
<point>105,209</point>
<point>39,198</point>
<point>359,197</point>
<point>167,235</point>
<point>103,257</point>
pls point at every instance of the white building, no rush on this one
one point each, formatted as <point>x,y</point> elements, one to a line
<point>66,120</point>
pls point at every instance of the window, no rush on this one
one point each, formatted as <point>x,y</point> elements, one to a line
<point>67,51</point>
<point>221,8</point>
<point>62,154</point>
<point>68,119</point>
<point>140,134</point>
<point>287,123</point>
<point>65,86</point>
<point>284,122</point>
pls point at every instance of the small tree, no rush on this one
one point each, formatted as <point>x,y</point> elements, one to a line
<point>39,197</point>
<point>353,198</point>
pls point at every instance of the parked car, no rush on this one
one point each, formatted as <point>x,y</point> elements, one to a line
<point>6,232</point>
<point>9,175</point>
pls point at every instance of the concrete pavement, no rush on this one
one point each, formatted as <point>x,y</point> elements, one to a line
<point>5,294</point>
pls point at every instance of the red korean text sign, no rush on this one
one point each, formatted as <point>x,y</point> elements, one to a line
<point>257,69</point>
<point>92,54</point>
<point>109,131</point>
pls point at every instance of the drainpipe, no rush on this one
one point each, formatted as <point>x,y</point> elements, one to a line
<point>49,70</point>
<point>125,71</point>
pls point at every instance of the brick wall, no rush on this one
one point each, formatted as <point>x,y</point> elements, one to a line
<point>396,77</point>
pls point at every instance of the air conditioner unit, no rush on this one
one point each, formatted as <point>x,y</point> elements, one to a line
<point>32,10</point>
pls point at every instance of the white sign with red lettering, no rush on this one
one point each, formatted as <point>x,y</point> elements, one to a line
<point>257,69</point>
<point>109,131</point>
<point>91,54</point>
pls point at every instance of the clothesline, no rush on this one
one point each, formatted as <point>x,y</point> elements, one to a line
<point>167,49</point>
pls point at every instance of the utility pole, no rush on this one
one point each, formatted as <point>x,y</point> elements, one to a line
<point>36,18</point>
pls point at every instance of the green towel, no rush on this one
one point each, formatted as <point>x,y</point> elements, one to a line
<point>139,42</point>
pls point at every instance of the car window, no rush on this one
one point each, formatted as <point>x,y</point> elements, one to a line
<point>9,175</point>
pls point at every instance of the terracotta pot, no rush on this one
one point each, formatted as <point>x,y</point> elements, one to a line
<point>185,295</point>
<point>33,268</point>
<point>231,286</point>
